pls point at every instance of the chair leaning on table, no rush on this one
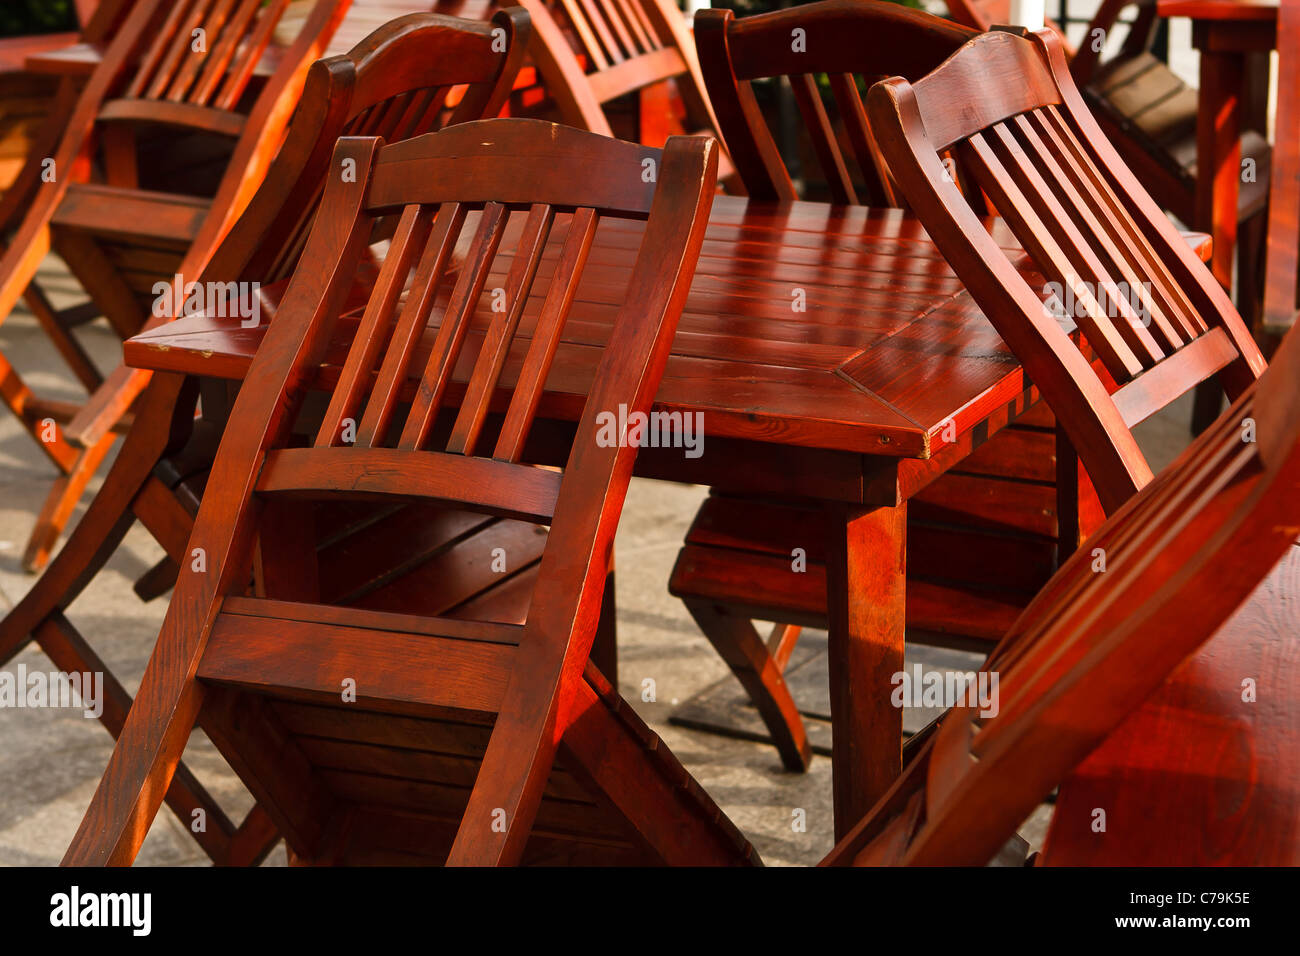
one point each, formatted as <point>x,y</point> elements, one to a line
<point>179,66</point>
<point>1065,207</point>
<point>1180,557</point>
<point>396,83</point>
<point>735,566</point>
<point>523,695</point>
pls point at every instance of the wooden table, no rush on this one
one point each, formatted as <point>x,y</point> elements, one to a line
<point>1226,32</point>
<point>845,403</point>
<point>1220,773</point>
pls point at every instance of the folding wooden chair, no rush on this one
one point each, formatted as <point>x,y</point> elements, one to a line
<point>183,66</point>
<point>504,699</point>
<point>1153,321</point>
<point>735,566</point>
<point>626,46</point>
<point>1180,557</point>
<point>399,82</point>
<point>1146,111</point>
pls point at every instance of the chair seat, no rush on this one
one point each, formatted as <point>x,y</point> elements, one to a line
<point>1148,101</point>
<point>739,552</point>
<point>132,215</point>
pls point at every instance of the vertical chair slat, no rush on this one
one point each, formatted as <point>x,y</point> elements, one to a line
<point>159,48</point>
<point>254,46</point>
<point>613,52</point>
<point>586,37</point>
<point>212,26</point>
<point>412,230</point>
<point>1068,149</point>
<point>411,324</point>
<point>546,336</point>
<point>1080,253</point>
<point>1102,235</point>
<point>809,100</point>
<point>646,39</point>
<point>456,322</point>
<point>178,48</point>
<point>501,331</point>
<point>221,54</point>
<point>1047,254</point>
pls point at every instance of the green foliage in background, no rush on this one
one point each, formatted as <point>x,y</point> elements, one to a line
<point>23,17</point>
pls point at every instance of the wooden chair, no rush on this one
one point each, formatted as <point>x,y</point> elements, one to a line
<point>1180,557</point>
<point>1154,323</point>
<point>1282,264</point>
<point>735,566</point>
<point>184,66</point>
<point>846,40</point>
<point>626,46</point>
<point>1146,111</point>
<point>399,82</point>
<point>510,697</point>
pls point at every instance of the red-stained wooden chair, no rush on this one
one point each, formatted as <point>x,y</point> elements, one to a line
<point>1146,111</point>
<point>505,699</point>
<point>399,82</point>
<point>851,42</point>
<point>1149,321</point>
<point>184,66</point>
<point>1180,557</point>
<point>626,46</point>
<point>735,566</point>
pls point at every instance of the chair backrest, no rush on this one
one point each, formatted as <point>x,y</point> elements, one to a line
<point>627,45</point>
<point>413,75</point>
<point>848,41</point>
<point>1282,264</point>
<point>1163,574</point>
<point>1105,258</point>
<point>188,64</point>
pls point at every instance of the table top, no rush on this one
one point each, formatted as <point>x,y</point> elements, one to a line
<point>1219,9</point>
<point>889,346</point>
<point>1221,774</point>
<point>888,349</point>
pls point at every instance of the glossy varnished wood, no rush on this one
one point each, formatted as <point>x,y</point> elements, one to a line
<point>389,84</point>
<point>530,681</point>
<point>1211,778</point>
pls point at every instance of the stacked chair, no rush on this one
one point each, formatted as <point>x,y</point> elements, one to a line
<point>187,68</point>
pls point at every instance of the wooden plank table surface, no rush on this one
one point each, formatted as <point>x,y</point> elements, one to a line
<point>1219,771</point>
<point>828,350</point>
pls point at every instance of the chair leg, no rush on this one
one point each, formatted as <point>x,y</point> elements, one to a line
<point>165,415</point>
<point>145,758</point>
<point>604,649</point>
<point>740,645</point>
<point>61,502</point>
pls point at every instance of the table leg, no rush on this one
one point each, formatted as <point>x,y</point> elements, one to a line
<point>866,570</point>
<point>1218,178</point>
<point>1218,155</point>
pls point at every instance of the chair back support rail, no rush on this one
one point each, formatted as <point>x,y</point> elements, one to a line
<point>1148,310</point>
<point>472,178</point>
